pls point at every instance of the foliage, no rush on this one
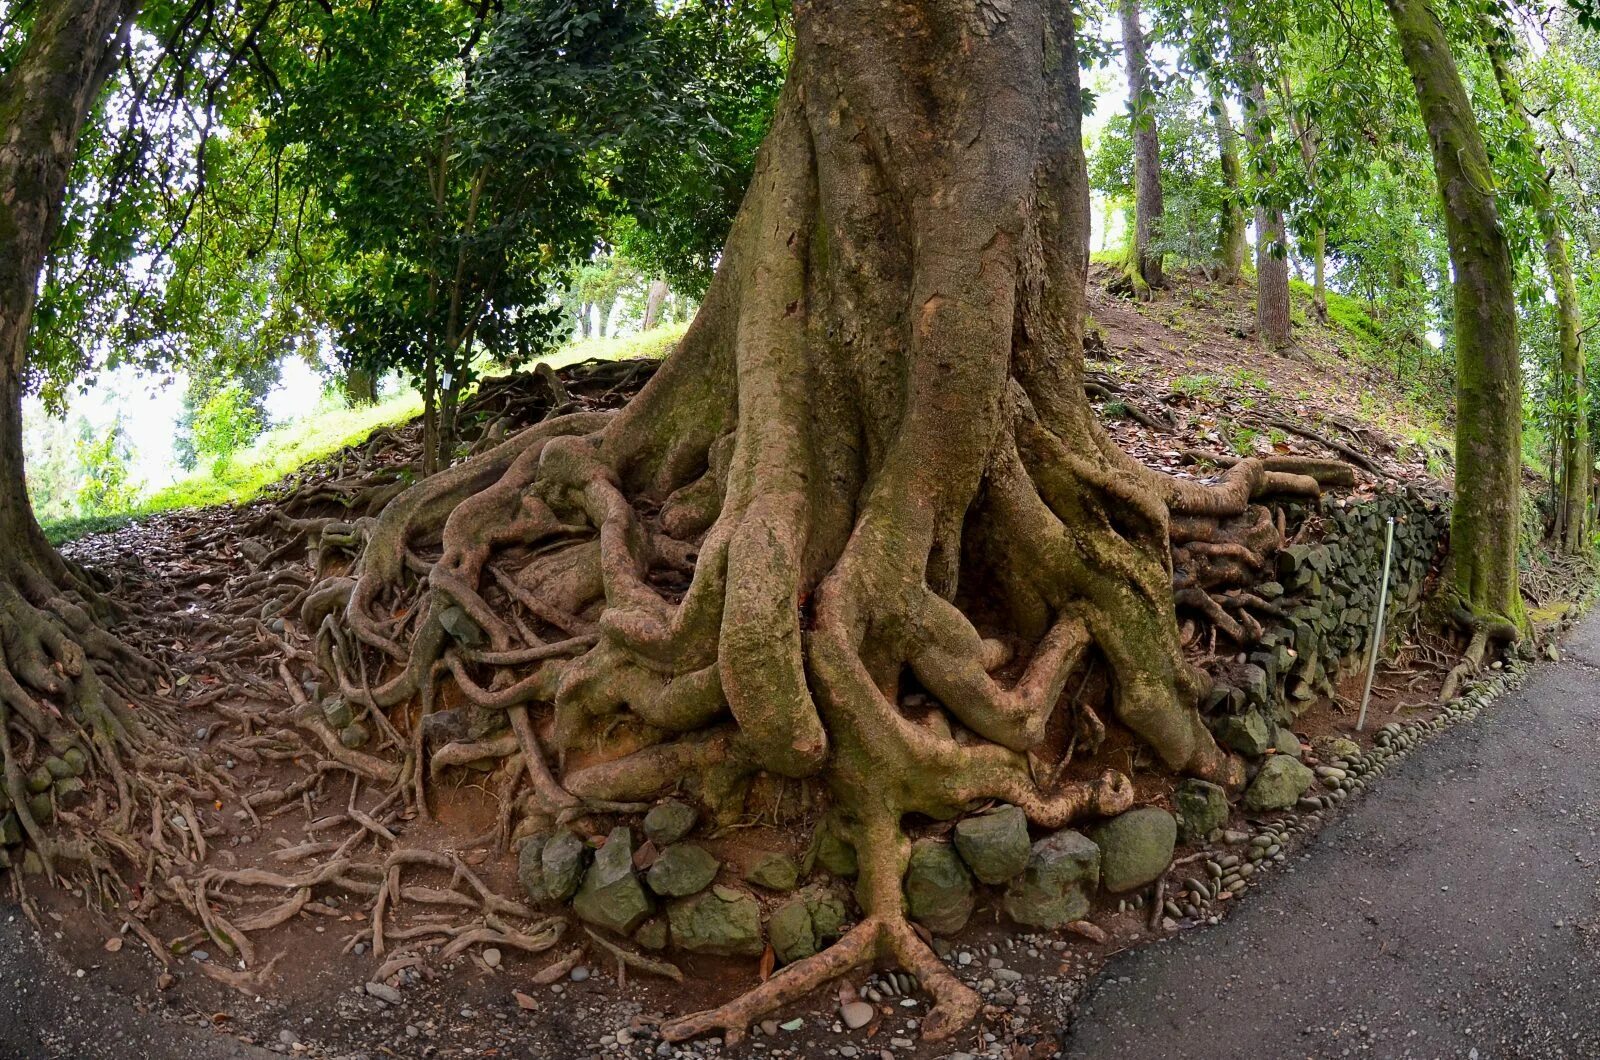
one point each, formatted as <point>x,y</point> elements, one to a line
<point>107,484</point>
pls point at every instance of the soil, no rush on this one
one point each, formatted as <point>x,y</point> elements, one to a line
<point>315,1001</point>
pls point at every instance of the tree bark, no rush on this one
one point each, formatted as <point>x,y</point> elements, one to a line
<point>1231,234</point>
<point>55,655</point>
<point>1572,528</point>
<point>1273,322</point>
<point>1487,515</point>
<point>655,298</point>
<point>869,468</point>
<point>360,387</point>
<point>1145,262</point>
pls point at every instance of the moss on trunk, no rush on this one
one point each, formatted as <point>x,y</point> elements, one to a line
<point>1487,513</point>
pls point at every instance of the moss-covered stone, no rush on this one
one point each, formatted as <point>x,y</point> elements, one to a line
<point>1202,808</point>
<point>1246,733</point>
<point>1281,781</point>
<point>773,870</point>
<point>1135,848</point>
<point>681,870</point>
<point>722,920</point>
<point>791,932</point>
<point>562,861</point>
<point>1063,872</point>
<point>611,895</point>
<point>834,853</point>
<point>530,867</point>
<point>939,890</point>
<point>669,822</point>
<point>994,845</point>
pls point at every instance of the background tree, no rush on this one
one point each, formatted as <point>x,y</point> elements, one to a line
<point>1144,258</point>
<point>1486,516</point>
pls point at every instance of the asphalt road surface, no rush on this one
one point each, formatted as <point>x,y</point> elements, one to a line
<point>1449,912</point>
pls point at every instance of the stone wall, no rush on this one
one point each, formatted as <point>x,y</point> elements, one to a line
<point>1325,593</point>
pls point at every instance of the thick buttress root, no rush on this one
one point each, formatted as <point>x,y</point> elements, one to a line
<point>81,765</point>
<point>868,471</point>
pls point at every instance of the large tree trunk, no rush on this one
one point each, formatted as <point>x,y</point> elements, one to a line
<point>55,659</point>
<point>1571,471</point>
<point>1487,517</point>
<point>868,469</point>
<point>1144,261</point>
<point>1231,235</point>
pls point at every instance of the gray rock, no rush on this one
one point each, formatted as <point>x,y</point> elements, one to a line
<point>1202,808</point>
<point>1063,871</point>
<point>774,871</point>
<point>611,895</point>
<point>722,920</point>
<point>682,869</point>
<point>530,867</point>
<point>994,845</point>
<point>791,932</point>
<point>444,726</point>
<point>336,712</point>
<point>1286,742</point>
<point>1135,848</point>
<point>856,1014</point>
<point>1278,785</point>
<point>939,891</point>
<point>669,822</point>
<point>460,625</point>
<point>562,860</point>
<point>384,992</point>
<point>354,735</point>
<point>1246,733</point>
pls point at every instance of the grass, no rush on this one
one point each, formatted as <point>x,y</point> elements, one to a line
<point>277,453</point>
<point>285,449</point>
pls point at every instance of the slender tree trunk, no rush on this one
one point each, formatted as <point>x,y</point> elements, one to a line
<point>1273,323</point>
<point>1571,471</point>
<point>1144,262</point>
<point>1487,513</point>
<point>1231,234</point>
<point>653,302</point>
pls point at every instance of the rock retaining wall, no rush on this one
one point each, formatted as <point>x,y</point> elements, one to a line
<point>1325,593</point>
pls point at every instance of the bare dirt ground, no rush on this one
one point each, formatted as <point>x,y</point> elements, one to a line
<point>201,579</point>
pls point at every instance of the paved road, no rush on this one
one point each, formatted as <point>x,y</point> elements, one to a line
<point>1451,912</point>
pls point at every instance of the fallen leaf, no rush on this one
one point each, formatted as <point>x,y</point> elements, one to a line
<point>524,1001</point>
<point>114,943</point>
<point>769,959</point>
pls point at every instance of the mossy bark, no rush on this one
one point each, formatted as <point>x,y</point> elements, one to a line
<point>1231,235</point>
<point>1486,517</point>
<point>53,651</point>
<point>1572,527</point>
<point>1273,321</point>
<point>1144,260</point>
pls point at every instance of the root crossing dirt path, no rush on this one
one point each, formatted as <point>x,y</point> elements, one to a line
<point>1452,912</point>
